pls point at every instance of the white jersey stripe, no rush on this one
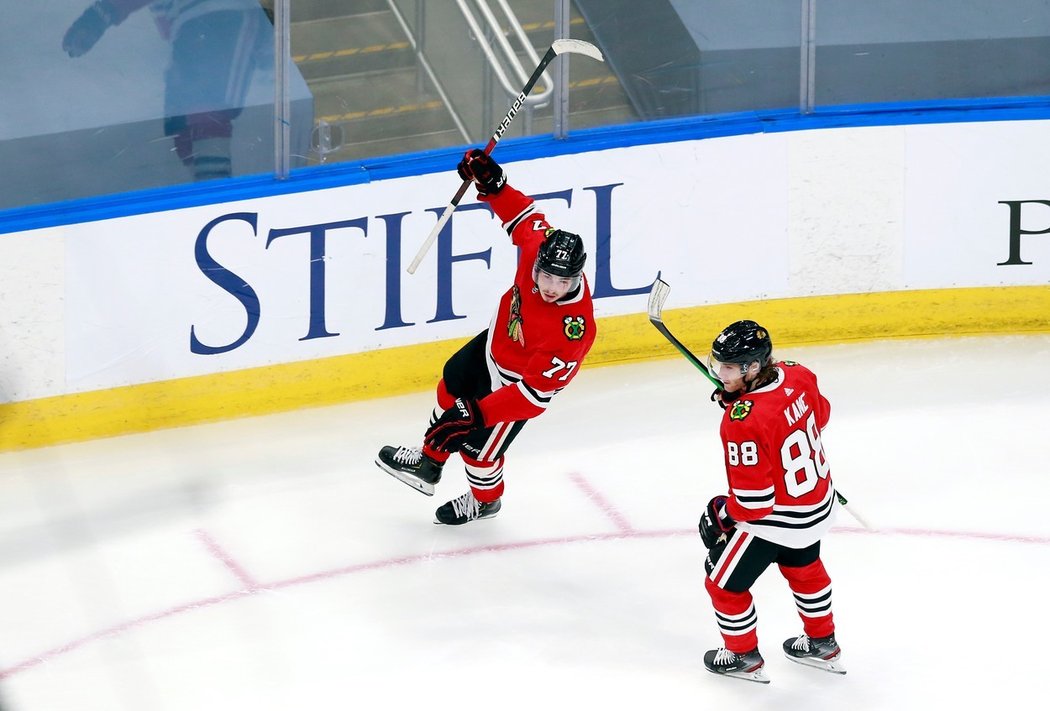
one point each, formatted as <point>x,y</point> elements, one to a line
<point>513,222</point>
<point>795,526</point>
<point>532,396</point>
<point>496,379</point>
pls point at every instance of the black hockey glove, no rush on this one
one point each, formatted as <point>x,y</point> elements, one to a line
<point>88,29</point>
<point>724,397</point>
<point>716,525</point>
<point>451,430</point>
<point>486,173</point>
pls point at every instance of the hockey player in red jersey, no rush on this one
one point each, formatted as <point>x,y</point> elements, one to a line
<point>780,502</point>
<point>507,374</point>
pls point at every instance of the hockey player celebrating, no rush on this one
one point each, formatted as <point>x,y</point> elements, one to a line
<point>507,374</point>
<point>780,503</point>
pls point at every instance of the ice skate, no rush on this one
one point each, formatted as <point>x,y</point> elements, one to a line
<point>820,652</point>
<point>410,465</point>
<point>464,509</point>
<point>748,666</point>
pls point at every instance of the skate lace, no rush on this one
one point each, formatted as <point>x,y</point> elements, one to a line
<point>801,644</point>
<point>408,455</point>
<point>466,506</point>
<point>723,657</point>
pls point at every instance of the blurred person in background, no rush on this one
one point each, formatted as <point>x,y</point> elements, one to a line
<point>216,46</point>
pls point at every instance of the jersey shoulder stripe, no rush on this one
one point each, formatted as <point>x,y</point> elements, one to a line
<point>511,224</point>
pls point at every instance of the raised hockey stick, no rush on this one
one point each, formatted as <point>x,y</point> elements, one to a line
<point>559,46</point>
<point>657,296</point>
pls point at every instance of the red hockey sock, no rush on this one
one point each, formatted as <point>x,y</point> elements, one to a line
<point>736,617</point>
<point>485,478</point>
<point>811,586</point>
<point>436,454</point>
<point>487,496</point>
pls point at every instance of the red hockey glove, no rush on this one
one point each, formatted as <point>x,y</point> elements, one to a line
<point>486,173</point>
<point>451,430</point>
<point>716,525</point>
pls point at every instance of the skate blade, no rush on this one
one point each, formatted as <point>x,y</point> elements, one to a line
<point>416,484</point>
<point>832,665</point>
<point>759,675</point>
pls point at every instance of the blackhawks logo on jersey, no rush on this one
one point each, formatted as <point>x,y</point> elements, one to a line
<point>575,327</point>
<point>740,409</point>
<point>514,323</point>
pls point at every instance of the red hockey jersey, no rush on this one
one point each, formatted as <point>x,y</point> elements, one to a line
<point>779,478</point>
<point>534,348</point>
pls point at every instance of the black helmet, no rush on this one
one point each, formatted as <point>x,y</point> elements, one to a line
<point>743,343</point>
<point>561,254</point>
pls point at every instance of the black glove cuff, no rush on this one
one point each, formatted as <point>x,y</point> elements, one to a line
<point>493,185</point>
<point>731,395</point>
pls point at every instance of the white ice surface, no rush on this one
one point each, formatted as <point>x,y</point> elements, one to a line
<point>266,563</point>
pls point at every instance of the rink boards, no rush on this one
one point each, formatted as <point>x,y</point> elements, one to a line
<point>267,304</point>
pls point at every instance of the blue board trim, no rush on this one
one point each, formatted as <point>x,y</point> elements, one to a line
<point>581,141</point>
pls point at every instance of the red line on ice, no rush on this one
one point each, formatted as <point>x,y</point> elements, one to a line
<point>614,514</point>
<point>256,588</point>
<point>227,560</point>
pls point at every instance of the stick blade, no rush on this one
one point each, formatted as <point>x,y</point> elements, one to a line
<point>574,46</point>
<point>657,296</point>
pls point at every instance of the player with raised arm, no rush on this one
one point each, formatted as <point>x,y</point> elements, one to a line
<point>780,503</point>
<point>535,344</point>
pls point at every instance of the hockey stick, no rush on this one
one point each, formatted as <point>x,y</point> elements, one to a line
<point>657,296</point>
<point>559,46</point>
<point>844,503</point>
